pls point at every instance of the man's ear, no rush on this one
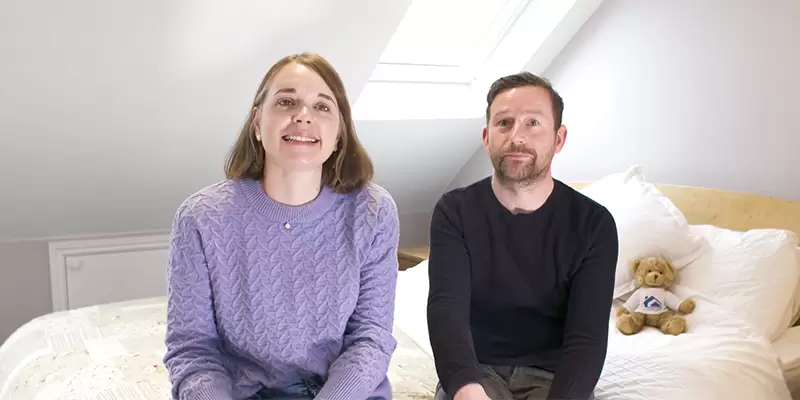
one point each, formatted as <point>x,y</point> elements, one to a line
<point>485,138</point>
<point>561,138</point>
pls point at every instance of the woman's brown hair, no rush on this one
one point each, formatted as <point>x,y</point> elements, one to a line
<point>348,168</point>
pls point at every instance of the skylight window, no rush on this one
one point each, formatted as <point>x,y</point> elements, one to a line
<point>445,54</point>
<point>446,41</point>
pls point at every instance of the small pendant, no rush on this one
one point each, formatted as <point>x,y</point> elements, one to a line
<point>287,225</point>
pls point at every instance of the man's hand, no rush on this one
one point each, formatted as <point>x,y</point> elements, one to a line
<point>472,391</point>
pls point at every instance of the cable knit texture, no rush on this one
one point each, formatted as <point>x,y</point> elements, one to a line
<point>265,295</point>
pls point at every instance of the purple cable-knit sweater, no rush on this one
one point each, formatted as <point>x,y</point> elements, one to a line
<point>263,294</point>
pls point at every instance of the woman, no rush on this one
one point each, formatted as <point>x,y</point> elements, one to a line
<point>282,277</point>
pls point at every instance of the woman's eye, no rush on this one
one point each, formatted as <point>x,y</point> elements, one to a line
<point>285,102</point>
<point>323,107</point>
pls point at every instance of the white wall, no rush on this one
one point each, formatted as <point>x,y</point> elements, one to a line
<point>702,93</point>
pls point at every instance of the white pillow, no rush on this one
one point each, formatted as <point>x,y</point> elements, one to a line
<point>411,305</point>
<point>753,273</point>
<point>796,302</point>
<point>648,224</point>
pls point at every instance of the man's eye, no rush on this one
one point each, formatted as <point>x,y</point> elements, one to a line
<point>534,122</point>
<point>504,122</point>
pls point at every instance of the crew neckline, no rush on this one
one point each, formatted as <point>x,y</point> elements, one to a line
<point>546,205</point>
<point>285,213</point>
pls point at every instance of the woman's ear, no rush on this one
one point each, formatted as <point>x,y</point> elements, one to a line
<point>254,125</point>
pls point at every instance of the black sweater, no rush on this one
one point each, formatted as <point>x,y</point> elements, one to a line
<point>529,289</point>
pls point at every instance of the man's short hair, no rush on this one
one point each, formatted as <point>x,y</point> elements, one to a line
<point>526,79</point>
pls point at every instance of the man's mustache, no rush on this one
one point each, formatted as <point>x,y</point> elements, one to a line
<point>516,148</point>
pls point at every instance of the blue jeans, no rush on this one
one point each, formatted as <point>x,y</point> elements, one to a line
<point>304,390</point>
<point>299,391</point>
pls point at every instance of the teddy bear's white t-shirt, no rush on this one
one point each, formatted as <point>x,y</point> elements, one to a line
<point>652,301</point>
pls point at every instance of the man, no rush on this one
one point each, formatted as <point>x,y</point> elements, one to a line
<point>521,265</point>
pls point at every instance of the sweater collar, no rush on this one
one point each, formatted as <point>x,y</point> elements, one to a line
<point>259,199</point>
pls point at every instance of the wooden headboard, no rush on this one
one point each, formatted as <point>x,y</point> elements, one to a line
<point>731,210</point>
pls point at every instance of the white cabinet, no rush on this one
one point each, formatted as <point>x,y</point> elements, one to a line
<point>88,272</point>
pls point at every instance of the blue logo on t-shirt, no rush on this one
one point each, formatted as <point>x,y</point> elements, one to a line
<point>652,302</point>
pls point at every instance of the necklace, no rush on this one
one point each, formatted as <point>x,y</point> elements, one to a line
<point>288,223</point>
<point>303,208</point>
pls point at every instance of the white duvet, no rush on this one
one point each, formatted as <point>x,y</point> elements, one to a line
<point>114,351</point>
<point>720,358</point>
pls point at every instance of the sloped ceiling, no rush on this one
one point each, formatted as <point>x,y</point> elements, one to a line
<point>112,111</point>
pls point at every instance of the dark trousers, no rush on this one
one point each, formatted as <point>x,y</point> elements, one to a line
<point>511,383</point>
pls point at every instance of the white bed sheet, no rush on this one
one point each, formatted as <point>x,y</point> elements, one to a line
<point>114,352</point>
<point>720,358</point>
<point>787,346</point>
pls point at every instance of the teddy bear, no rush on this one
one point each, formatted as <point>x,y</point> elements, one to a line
<point>652,304</point>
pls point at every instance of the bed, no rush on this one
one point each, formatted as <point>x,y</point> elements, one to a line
<point>114,351</point>
<point>748,273</point>
<point>731,247</point>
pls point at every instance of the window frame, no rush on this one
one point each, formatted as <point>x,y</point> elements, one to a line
<point>408,91</point>
<point>480,51</point>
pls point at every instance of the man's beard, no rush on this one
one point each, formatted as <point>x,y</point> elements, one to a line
<point>520,172</point>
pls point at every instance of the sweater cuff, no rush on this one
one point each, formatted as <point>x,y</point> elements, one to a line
<point>345,386</point>
<point>210,393</point>
<point>461,378</point>
<point>206,386</point>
